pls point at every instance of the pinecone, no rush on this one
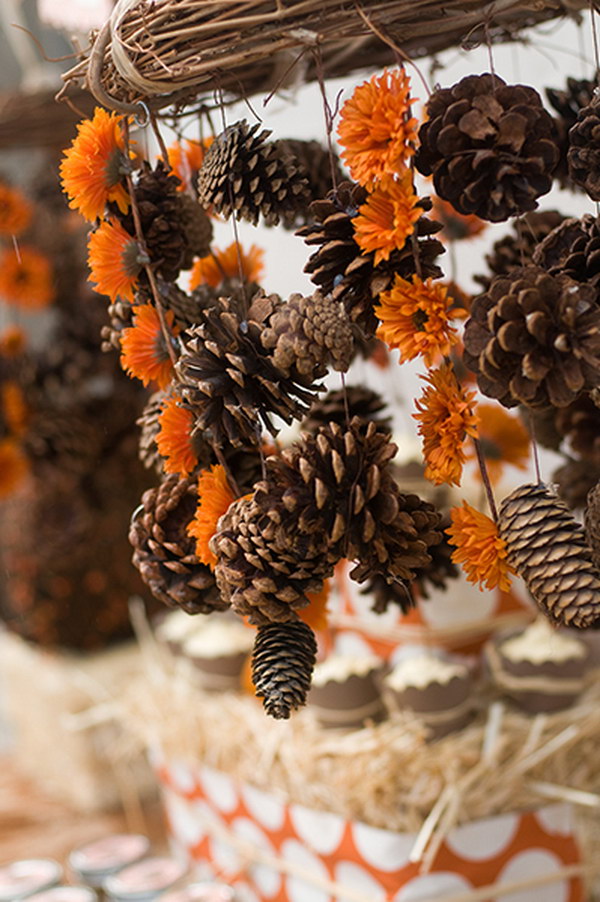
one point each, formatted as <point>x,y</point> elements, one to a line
<point>534,339</point>
<point>549,550</point>
<point>574,480</point>
<point>440,569</point>
<point>246,175</point>
<point>164,553</point>
<point>491,147</point>
<point>583,156</point>
<point>68,441</point>
<point>341,269</point>
<point>541,425</point>
<point>568,103</point>
<point>316,164</point>
<point>197,228</point>
<point>573,248</point>
<point>342,405</point>
<point>306,335</point>
<point>385,594</point>
<point>120,313</point>
<point>230,383</point>
<point>283,659</point>
<point>579,423</point>
<point>592,523</point>
<point>149,428</point>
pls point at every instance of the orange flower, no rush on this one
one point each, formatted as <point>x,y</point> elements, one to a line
<point>388,217</point>
<point>503,439</point>
<point>214,497</point>
<point>26,278</point>
<point>144,353</point>
<point>456,226</point>
<point>315,613</point>
<point>92,167</point>
<point>376,130</point>
<point>13,406</point>
<point>446,416</point>
<point>114,261</point>
<point>14,466</point>
<point>480,550</point>
<point>185,159</point>
<point>416,319</point>
<point>221,265</point>
<point>174,438</point>
<point>15,211</point>
<point>12,341</point>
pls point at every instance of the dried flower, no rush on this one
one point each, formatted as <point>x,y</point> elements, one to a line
<point>26,278</point>
<point>144,352</point>
<point>15,211</point>
<point>388,217</point>
<point>456,226</point>
<point>232,263</point>
<point>446,416</point>
<point>92,168</point>
<point>14,466</point>
<point>12,341</point>
<point>114,261</point>
<point>416,318</point>
<point>13,407</point>
<point>503,439</point>
<point>376,129</point>
<point>174,437</point>
<point>214,497</point>
<point>480,551</point>
<point>185,159</point>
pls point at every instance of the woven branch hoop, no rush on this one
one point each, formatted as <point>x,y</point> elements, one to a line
<point>174,52</point>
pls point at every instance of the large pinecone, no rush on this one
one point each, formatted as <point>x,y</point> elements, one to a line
<point>283,659</point>
<point>574,480</point>
<point>342,405</point>
<point>246,175</point>
<point>534,339</point>
<point>316,164</point>
<point>341,269</point>
<point>573,248</point>
<point>491,147</point>
<point>583,155</point>
<point>230,382</point>
<point>549,550</point>
<point>568,103</point>
<point>164,553</point>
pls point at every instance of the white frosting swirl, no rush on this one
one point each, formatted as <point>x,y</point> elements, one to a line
<point>421,670</point>
<point>219,638</point>
<point>337,668</point>
<point>540,643</point>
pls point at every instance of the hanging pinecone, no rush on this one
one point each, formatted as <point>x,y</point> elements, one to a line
<point>342,405</point>
<point>534,339</point>
<point>549,550</point>
<point>573,248</point>
<point>309,334</point>
<point>316,164</point>
<point>579,423</point>
<point>568,103</point>
<point>592,523</point>
<point>583,155</point>
<point>164,553</point>
<point>246,175</point>
<point>440,569</point>
<point>341,269</point>
<point>149,428</point>
<point>230,383</point>
<point>120,314</point>
<point>574,480</point>
<point>516,249</point>
<point>68,441</point>
<point>541,425</point>
<point>197,228</point>
<point>491,147</point>
<point>385,594</point>
<point>283,659</point>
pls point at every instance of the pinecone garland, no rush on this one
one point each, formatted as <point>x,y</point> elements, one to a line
<point>517,248</point>
<point>342,405</point>
<point>534,339</point>
<point>316,164</point>
<point>248,176</point>
<point>592,523</point>
<point>491,147</point>
<point>283,659</point>
<point>549,550</point>
<point>574,480</point>
<point>573,248</point>
<point>568,103</point>
<point>583,156</point>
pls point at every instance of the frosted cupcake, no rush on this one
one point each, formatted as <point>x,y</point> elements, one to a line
<point>176,627</point>
<point>218,652</point>
<point>346,691</point>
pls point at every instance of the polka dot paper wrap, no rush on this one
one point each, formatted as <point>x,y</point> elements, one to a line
<point>277,852</point>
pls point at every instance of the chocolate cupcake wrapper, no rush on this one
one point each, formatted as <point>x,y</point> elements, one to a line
<point>546,685</point>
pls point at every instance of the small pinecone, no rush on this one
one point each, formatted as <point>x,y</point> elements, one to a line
<point>568,103</point>
<point>341,406</point>
<point>491,147</point>
<point>149,428</point>
<point>579,423</point>
<point>246,175</point>
<point>440,569</point>
<point>516,249</point>
<point>574,480</point>
<point>534,339</point>
<point>314,162</point>
<point>549,550</point>
<point>541,425</point>
<point>573,248</point>
<point>164,553</point>
<point>197,228</point>
<point>283,659</point>
<point>308,334</point>
<point>583,155</point>
<point>592,523</point>
<point>120,313</point>
<point>230,383</point>
<point>68,441</point>
<point>341,269</point>
<point>385,594</point>
<point>160,207</point>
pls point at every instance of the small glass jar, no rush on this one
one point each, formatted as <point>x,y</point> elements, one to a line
<point>21,879</point>
<point>65,894</point>
<point>146,880</point>
<point>97,860</point>
<point>202,892</point>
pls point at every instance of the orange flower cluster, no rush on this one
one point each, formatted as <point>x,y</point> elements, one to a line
<point>144,354</point>
<point>503,439</point>
<point>114,261</point>
<point>26,278</point>
<point>214,497</point>
<point>456,226</point>
<point>185,159</point>
<point>15,211</point>
<point>388,216</point>
<point>446,415</point>
<point>480,550</point>
<point>14,466</point>
<point>230,263</point>
<point>174,438</point>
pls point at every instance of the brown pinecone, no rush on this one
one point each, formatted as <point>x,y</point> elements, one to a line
<point>534,339</point>
<point>65,440</point>
<point>246,175</point>
<point>164,553</point>
<point>197,228</point>
<point>491,147</point>
<point>283,659</point>
<point>541,425</point>
<point>307,335</point>
<point>149,428</point>
<point>440,569</point>
<point>316,164</point>
<point>568,103</point>
<point>592,523</point>
<point>579,423</point>
<point>574,480</point>
<point>342,405</point>
<point>385,594</point>
<point>341,269</point>
<point>583,156</point>
<point>120,313</point>
<point>573,248</point>
<point>549,550</point>
<point>230,383</point>
<point>160,207</point>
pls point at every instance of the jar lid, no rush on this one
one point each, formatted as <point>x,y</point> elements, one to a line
<point>202,892</point>
<point>145,880</point>
<point>96,860</point>
<point>65,894</point>
<point>20,879</point>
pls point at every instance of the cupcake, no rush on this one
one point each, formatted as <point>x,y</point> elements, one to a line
<point>218,653</point>
<point>176,627</point>
<point>541,668</point>
<point>438,691</point>
<point>346,692</point>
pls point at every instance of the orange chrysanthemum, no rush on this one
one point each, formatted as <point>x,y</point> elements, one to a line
<point>13,407</point>
<point>221,265</point>
<point>12,342</point>
<point>144,352</point>
<point>214,497</point>
<point>388,216</point>
<point>480,551</point>
<point>14,466</point>
<point>174,438</point>
<point>15,211</point>
<point>185,159</point>
<point>26,278</point>
<point>416,318</point>
<point>503,439</point>
<point>456,226</point>
<point>114,261</point>
<point>446,416</point>
<point>376,130</point>
<point>92,167</point>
